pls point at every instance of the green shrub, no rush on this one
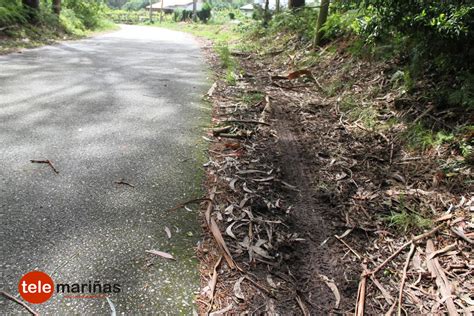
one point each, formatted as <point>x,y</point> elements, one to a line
<point>12,13</point>
<point>91,12</point>
<point>205,13</point>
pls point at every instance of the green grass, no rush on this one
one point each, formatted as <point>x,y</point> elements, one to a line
<point>252,98</point>
<point>419,137</point>
<point>408,221</point>
<point>213,32</point>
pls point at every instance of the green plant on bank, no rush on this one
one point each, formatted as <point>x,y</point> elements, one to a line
<point>419,137</point>
<point>252,98</point>
<point>227,62</point>
<point>407,221</point>
<point>77,18</point>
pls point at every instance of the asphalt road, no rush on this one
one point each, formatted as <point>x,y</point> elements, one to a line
<point>124,105</point>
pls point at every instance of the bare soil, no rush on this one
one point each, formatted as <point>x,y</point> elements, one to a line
<point>303,200</point>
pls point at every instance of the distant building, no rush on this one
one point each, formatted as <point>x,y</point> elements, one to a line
<point>171,5</point>
<point>248,8</point>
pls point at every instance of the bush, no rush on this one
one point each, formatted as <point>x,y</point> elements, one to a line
<point>205,13</point>
<point>12,13</point>
<point>91,13</point>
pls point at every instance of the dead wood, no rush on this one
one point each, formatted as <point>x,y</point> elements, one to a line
<point>14,299</point>
<point>181,205</point>
<point>213,284</point>
<point>246,122</point>
<point>47,161</point>
<point>360,302</point>
<point>444,286</point>
<point>124,183</point>
<point>414,240</point>
<point>404,276</point>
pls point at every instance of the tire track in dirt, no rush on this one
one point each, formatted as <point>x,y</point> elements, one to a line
<point>313,218</point>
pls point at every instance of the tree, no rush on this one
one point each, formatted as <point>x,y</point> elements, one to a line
<point>57,6</point>
<point>295,4</point>
<point>194,10</point>
<point>31,4</point>
<point>323,16</point>
<point>31,7</point>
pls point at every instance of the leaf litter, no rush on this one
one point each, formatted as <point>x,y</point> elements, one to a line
<point>298,204</point>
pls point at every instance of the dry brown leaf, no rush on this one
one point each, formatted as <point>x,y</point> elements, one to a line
<point>220,241</point>
<point>299,73</point>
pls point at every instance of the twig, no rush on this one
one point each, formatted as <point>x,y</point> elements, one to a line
<point>14,299</point>
<point>390,300</point>
<point>461,235</point>
<point>404,276</point>
<point>260,287</point>
<point>218,130</point>
<point>246,121</point>
<point>121,181</point>
<point>177,207</point>
<point>213,284</point>
<point>352,250</point>
<point>414,240</point>
<point>47,161</point>
<point>444,286</point>
<point>359,311</point>
<point>302,306</point>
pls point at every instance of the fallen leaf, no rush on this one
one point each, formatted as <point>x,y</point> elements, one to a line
<point>229,232</point>
<point>161,254</point>
<point>299,73</point>
<point>168,232</point>
<point>332,285</point>
<point>238,290</point>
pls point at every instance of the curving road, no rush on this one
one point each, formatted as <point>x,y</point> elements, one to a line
<point>124,106</point>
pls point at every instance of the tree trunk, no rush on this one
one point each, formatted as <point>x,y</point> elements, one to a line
<point>277,6</point>
<point>266,13</point>
<point>33,4</point>
<point>57,7</point>
<point>161,12</point>
<point>194,10</point>
<point>295,4</point>
<point>151,12</point>
<point>323,16</point>
<point>32,7</point>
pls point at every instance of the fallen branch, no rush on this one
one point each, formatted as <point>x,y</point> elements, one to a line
<point>14,299</point>
<point>349,247</point>
<point>47,161</point>
<point>404,276</point>
<point>360,305</point>
<point>218,130</point>
<point>397,252</point>
<point>442,282</point>
<point>246,121</point>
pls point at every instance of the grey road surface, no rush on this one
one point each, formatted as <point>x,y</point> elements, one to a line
<point>124,106</point>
